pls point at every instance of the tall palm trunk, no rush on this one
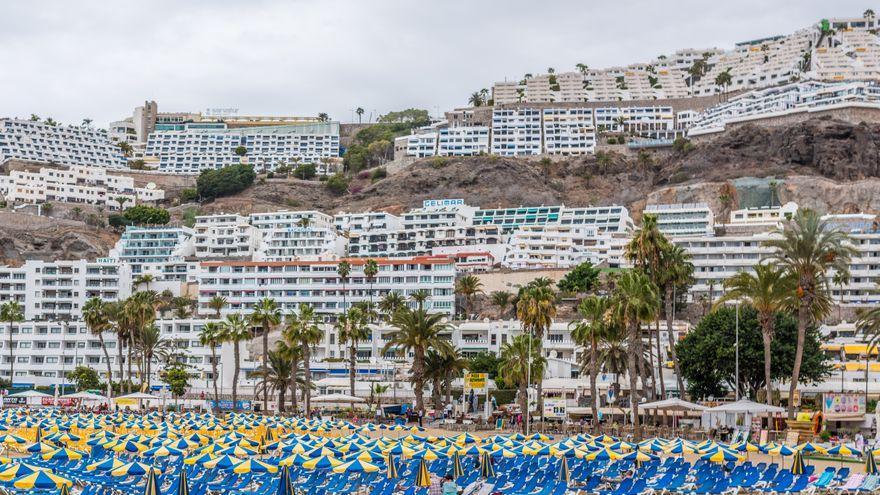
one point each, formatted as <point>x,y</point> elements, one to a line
<point>307,386</point>
<point>418,371</point>
<point>109,368</point>
<point>632,359</point>
<point>541,381</point>
<point>767,335</point>
<point>236,355</point>
<point>659,360</point>
<point>214,373</point>
<point>265,365</point>
<point>523,402</point>
<point>352,367</point>
<point>803,317</point>
<point>436,395</point>
<point>281,400</point>
<point>120,343</point>
<point>594,389</point>
<point>294,370</point>
<point>447,385</point>
<point>128,364</point>
<point>670,307</point>
<point>11,358</point>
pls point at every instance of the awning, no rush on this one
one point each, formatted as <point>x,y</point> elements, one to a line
<point>673,404</point>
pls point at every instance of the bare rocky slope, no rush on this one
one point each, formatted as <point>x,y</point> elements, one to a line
<point>822,163</point>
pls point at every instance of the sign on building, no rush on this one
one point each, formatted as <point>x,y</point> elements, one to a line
<point>840,404</point>
<point>555,409</point>
<point>476,382</point>
<point>439,203</point>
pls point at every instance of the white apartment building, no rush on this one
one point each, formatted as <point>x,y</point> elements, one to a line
<point>767,217</point>
<point>225,236</point>
<point>648,121</point>
<point>422,144</point>
<point>683,219</point>
<point>568,131</point>
<point>196,148</point>
<point>158,248</point>
<point>297,235</point>
<point>463,141</point>
<point>806,97</point>
<point>368,221</point>
<point>439,213</point>
<point>425,241</point>
<point>516,131</point>
<point>76,184</point>
<point>317,283</point>
<point>39,142</point>
<point>554,246</point>
<point>59,289</point>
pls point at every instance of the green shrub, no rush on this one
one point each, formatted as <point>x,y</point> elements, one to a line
<point>378,174</point>
<point>225,181</point>
<point>306,171</point>
<point>337,183</point>
<point>439,162</point>
<point>146,215</point>
<point>189,195</point>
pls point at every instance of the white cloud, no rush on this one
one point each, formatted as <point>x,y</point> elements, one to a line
<point>99,59</point>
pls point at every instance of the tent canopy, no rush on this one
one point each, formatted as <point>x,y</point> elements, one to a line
<point>138,396</point>
<point>30,393</point>
<point>674,404</point>
<point>337,398</point>
<point>746,406</point>
<point>84,396</point>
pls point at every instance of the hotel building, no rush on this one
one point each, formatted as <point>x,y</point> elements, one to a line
<point>34,141</point>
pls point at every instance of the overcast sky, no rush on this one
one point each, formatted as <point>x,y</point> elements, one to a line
<point>99,59</point>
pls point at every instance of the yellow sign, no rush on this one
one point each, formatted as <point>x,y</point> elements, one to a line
<point>476,381</point>
<point>125,402</point>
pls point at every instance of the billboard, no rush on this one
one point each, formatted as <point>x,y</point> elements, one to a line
<point>555,409</point>
<point>476,382</point>
<point>226,405</point>
<point>844,404</point>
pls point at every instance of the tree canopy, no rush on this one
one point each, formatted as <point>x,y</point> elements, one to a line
<point>580,279</point>
<point>146,215</point>
<point>225,181</point>
<point>707,353</point>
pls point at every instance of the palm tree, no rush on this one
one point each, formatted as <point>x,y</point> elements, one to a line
<point>266,315</point>
<point>275,377</point>
<point>476,99</point>
<point>455,365</point>
<point>840,278</point>
<point>211,336</point>
<point>419,297</point>
<point>435,373</point>
<point>217,303</point>
<point>301,330</point>
<point>390,304</point>
<point>149,343</point>
<point>503,300</point>
<point>536,310</point>
<point>582,68</point>
<point>235,330</point>
<point>768,290</point>
<point>376,391</point>
<point>587,334</point>
<point>344,270</point>
<point>11,313</point>
<point>612,351</point>
<point>360,113</point>
<point>723,79</point>
<point>97,320</point>
<point>417,331</point>
<point>145,279</point>
<point>293,354</point>
<point>522,363</point>
<point>371,269</point>
<point>675,270</point>
<point>468,287</point>
<point>634,302</point>
<point>352,328</point>
<point>140,313</point>
<point>808,249</point>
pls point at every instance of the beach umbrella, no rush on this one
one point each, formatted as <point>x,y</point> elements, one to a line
<point>285,487</point>
<point>40,448</point>
<point>62,455</point>
<point>19,470</point>
<point>564,473</point>
<point>810,447</point>
<point>64,490</point>
<point>105,465</point>
<point>638,457</point>
<point>870,463</point>
<point>182,485</point>
<point>721,455</point>
<point>457,471</point>
<point>225,462</point>
<point>782,450</point>
<point>294,460</point>
<point>11,439</point>
<point>797,463</point>
<point>254,466</point>
<point>356,466</point>
<point>323,462</point>
<point>162,451</point>
<point>843,450</point>
<point>390,467</point>
<point>133,469</point>
<point>423,479</point>
<point>41,480</point>
<point>151,487</point>
<point>605,454</point>
<point>486,468</point>
<point>199,459</point>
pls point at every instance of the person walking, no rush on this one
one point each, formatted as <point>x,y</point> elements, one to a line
<point>449,486</point>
